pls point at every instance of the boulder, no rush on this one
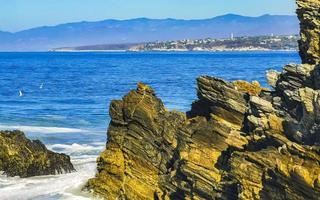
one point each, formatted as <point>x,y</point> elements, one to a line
<point>22,157</point>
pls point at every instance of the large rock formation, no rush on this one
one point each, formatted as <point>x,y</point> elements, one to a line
<point>22,157</point>
<point>238,141</point>
<point>309,15</point>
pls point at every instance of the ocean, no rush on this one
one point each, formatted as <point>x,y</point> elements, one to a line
<point>63,98</point>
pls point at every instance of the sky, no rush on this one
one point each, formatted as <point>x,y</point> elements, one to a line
<point>16,15</point>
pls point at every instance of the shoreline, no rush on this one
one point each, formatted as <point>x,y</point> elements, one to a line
<point>173,51</point>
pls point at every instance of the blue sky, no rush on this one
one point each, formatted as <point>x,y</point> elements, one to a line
<point>22,14</point>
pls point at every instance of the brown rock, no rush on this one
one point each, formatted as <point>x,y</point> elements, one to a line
<point>22,157</point>
<point>309,16</point>
<point>239,141</point>
<point>253,88</point>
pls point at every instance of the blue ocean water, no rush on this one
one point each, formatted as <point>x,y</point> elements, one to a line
<point>66,97</point>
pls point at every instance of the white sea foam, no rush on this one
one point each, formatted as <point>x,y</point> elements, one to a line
<point>65,186</point>
<point>54,117</point>
<point>78,149</point>
<point>42,129</point>
<point>61,186</point>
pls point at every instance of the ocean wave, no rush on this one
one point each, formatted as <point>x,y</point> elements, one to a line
<point>76,149</point>
<point>42,129</point>
<point>65,186</point>
<point>54,117</point>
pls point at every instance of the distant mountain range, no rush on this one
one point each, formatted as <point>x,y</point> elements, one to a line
<point>145,30</point>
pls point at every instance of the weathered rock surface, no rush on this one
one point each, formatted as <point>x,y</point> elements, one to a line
<point>22,157</point>
<point>238,141</point>
<point>309,15</point>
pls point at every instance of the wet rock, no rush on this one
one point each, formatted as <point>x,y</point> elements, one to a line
<point>22,157</point>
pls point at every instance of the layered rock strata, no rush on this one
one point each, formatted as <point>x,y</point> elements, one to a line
<point>22,157</point>
<point>309,15</point>
<point>238,141</point>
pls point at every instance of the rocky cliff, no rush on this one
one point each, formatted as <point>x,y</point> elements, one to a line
<point>238,141</point>
<point>22,157</point>
<point>309,14</point>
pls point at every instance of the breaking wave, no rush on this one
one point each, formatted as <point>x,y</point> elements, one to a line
<point>65,186</point>
<point>42,129</point>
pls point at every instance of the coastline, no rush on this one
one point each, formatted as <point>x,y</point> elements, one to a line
<point>79,146</point>
<point>65,51</point>
<point>174,50</point>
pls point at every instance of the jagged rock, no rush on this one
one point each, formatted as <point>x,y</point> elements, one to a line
<point>306,128</point>
<point>261,105</point>
<point>156,154</point>
<point>142,140</point>
<point>238,141</point>
<point>222,98</point>
<point>22,157</point>
<point>295,76</point>
<point>150,151</point>
<point>275,173</point>
<point>309,15</point>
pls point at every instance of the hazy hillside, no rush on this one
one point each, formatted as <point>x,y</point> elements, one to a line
<point>145,30</point>
<point>252,43</point>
